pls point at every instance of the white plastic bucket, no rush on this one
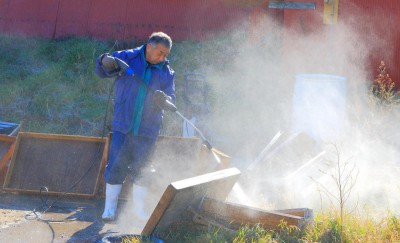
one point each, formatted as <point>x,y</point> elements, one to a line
<point>319,106</point>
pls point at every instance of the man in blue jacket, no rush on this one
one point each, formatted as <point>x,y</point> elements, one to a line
<point>138,114</point>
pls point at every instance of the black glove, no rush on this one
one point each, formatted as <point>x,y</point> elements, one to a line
<point>108,62</point>
<point>163,101</point>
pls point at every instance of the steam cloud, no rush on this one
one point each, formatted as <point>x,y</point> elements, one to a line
<point>255,90</point>
<point>253,85</point>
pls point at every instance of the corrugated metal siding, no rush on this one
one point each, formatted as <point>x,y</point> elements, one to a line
<point>378,23</point>
<point>374,21</point>
<point>28,17</point>
<point>119,19</point>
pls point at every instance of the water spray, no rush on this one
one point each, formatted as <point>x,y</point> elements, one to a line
<point>124,68</point>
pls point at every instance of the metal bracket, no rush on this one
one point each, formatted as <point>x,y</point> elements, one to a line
<point>292,5</point>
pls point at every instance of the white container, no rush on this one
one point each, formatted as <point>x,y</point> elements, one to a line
<point>319,106</point>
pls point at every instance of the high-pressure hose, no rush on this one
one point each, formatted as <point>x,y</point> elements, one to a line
<point>124,68</point>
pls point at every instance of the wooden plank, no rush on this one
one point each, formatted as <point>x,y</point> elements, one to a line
<point>305,213</point>
<point>4,158</point>
<point>240,215</point>
<point>181,195</point>
<point>7,138</point>
<point>6,151</point>
<point>62,163</point>
<point>104,159</point>
<point>101,185</point>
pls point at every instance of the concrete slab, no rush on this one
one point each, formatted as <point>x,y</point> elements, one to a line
<point>70,220</point>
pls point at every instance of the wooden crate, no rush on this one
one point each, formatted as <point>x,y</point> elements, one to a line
<point>62,163</point>
<point>201,200</point>
<point>180,196</point>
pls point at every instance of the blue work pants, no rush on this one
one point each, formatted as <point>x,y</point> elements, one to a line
<point>128,155</point>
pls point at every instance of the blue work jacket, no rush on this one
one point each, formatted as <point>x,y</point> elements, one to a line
<point>126,89</point>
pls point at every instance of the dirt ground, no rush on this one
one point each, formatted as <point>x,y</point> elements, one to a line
<point>69,220</point>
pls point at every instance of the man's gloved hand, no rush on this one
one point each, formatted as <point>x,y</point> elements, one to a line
<point>108,62</point>
<point>163,101</point>
<point>159,98</point>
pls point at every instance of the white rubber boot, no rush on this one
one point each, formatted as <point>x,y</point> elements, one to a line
<point>110,207</point>
<point>139,198</point>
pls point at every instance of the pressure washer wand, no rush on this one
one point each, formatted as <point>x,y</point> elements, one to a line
<point>208,145</point>
<point>124,68</point>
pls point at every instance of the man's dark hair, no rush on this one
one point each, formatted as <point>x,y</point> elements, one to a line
<point>160,38</point>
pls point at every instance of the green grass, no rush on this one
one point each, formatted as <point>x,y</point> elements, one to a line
<point>325,228</point>
<point>51,87</point>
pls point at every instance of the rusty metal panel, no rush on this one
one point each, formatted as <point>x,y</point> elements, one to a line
<point>72,18</point>
<point>28,17</point>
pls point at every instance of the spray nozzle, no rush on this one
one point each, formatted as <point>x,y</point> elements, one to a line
<point>207,144</point>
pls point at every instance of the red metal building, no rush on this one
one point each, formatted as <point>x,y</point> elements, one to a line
<point>375,21</point>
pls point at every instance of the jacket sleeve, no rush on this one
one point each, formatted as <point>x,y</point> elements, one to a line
<point>99,69</point>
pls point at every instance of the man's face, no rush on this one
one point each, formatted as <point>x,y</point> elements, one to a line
<point>156,53</point>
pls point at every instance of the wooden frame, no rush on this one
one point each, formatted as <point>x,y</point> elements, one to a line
<point>182,195</point>
<point>65,164</point>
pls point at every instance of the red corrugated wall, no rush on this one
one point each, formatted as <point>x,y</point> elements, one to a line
<point>378,22</point>
<point>119,19</point>
<point>375,22</point>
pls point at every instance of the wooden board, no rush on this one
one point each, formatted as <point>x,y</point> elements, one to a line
<point>238,215</point>
<point>6,151</point>
<point>62,163</point>
<point>189,193</point>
